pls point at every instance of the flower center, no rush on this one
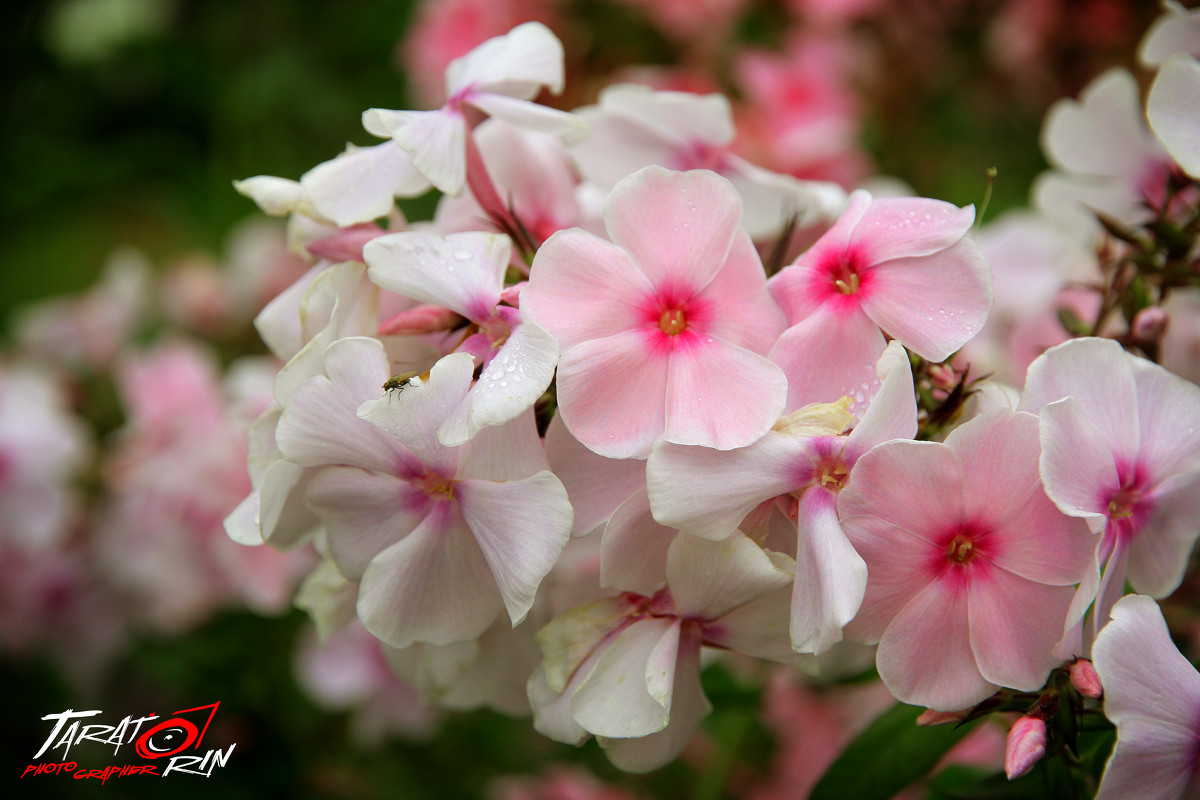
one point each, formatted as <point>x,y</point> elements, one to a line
<point>960,550</point>
<point>436,486</point>
<point>831,473</point>
<point>1123,503</point>
<point>845,276</point>
<point>673,321</point>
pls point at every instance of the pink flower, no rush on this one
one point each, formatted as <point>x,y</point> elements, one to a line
<point>903,265</point>
<point>663,331</point>
<point>627,669</point>
<point>800,465</point>
<point>970,566</point>
<point>1121,450</point>
<point>1152,695</point>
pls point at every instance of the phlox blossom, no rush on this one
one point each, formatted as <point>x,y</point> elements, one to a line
<point>903,265</point>
<point>971,569</point>
<point>663,331</point>
<point>1121,450</point>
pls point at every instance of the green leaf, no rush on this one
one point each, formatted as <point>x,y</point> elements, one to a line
<point>889,755</point>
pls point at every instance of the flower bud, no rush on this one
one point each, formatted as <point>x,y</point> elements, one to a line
<point>424,318</point>
<point>930,717</point>
<point>1025,747</point>
<point>1084,678</point>
<point>1149,324</point>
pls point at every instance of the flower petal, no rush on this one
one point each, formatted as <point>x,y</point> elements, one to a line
<point>831,577</point>
<point>633,550</point>
<point>908,227</point>
<point>522,527</point>
<point>677,226</point>
<point>1170,108</point>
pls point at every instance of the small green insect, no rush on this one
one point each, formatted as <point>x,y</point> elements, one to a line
<point>399,382</point>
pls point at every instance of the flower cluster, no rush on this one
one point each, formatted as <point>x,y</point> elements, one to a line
<point>587,424</point>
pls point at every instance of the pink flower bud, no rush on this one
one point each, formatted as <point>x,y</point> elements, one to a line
<point>1084,678</point>
<point>930,717</point>
<point>1149,324</point>
<point>943,376</point>
<point>346,244</point>
<point>1025,747</point>
<point>424,318</point>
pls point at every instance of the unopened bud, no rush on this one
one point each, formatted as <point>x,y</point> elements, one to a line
<point>1084,678</point>
<point>1025,747</point>
<point>943,376</point>
<point>346,244</point>
<point>1149,324</point>
<point>424,318</point>
<point>930,717</point>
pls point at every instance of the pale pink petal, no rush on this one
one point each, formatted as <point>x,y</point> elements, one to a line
<point>709,492</point>
<point>434,585</point>
<point>758,628</point>
<point>522,527</point>
<point>617,417</point>
<point>1103,133</point>
<point>283,517</point>
<point>510,384</point>
<point>1015,624</point>
<point>912,485</point>
<point>831,577</point>
<point>925,656</point>
<point>412,415</point>
<point>568,127</point>
<point>320,423</point>
<point>710,579</point>
<point>1002,452</point>
<point>1099,375</point>
<point>1177,30</point>
<point>364,513</point>
<point>633,550</point>
<point>1151,761</point>
<point>595,485</point>
<point>617,147</point>
<point>1169,418</point>
<point>829,355</point>
<point>901,570</point>
<point>1171,110</point>
<point>507,452</point>
<point>582,287</point>
<point>516,64</point>
<point>614,700</point>
<point>1076,463</point>
<point>677,226</point>
<point>360,185</point>
<point>892,412</point>
<point>552,710</point>
<point>1143,673</point>
<point>1158,556</point>
<point>436,140</point>
<point>688,707</point>
<point>674,115</point>
<point>935,303</point>
<point>1040,543</point>
<point>908,227</point>
<point>748,317</point>
<point>721,396</point>
<point>462,271</point>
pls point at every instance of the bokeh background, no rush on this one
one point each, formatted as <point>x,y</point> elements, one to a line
<point>125,123</point>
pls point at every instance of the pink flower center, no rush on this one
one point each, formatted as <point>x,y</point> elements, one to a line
<point>845,276</point>
<point>673,321</point>
<point>960,550</point>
